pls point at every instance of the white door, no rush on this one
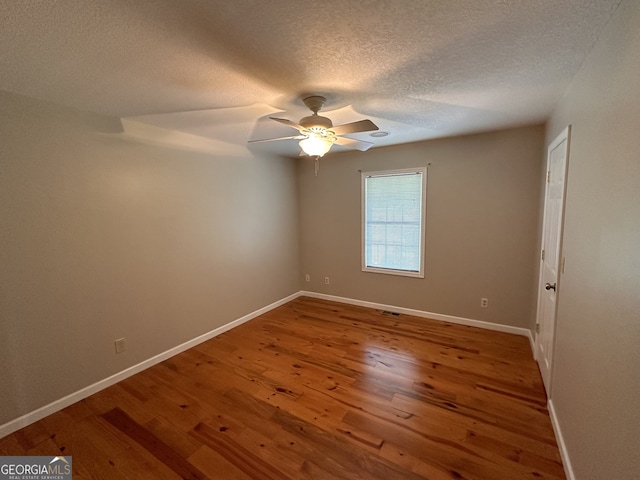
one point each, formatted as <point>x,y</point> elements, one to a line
<point>550,259</point>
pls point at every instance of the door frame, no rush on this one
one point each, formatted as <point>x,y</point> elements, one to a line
<point>565,135</point>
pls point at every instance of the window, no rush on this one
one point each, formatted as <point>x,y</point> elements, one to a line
<point>393,221</point>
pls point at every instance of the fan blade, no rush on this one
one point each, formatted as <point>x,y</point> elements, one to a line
<point>289,123</point>
<point>354,127</point>
<point>294,137</point>
<point>353,143</point>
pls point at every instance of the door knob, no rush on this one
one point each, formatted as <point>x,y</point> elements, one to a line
<point>548,286</point>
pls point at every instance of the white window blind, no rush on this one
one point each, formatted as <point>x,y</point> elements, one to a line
<point>393,221</point>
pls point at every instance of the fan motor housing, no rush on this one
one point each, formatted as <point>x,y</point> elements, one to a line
<point>316,121</point>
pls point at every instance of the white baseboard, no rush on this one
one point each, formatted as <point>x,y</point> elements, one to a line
<point>420,313</point>
<point>564,454</point>
<point>72,398</point>
<point>61,403</point>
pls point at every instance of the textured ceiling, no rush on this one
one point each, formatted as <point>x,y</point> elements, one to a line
<point>219,68</point>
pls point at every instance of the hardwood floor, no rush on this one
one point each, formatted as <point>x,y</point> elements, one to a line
<point>321,390</point>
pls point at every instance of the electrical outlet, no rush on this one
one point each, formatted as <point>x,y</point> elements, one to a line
<point>119,344</point>
<point>484,302</point>
<point>307,277</point>
<point>326,280</point>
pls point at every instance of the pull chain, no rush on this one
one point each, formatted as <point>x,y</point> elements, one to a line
<point>317,164</point>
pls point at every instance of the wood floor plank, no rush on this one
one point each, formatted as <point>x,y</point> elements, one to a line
<point>236,454</point>
<point>163,451</point>
<point>215,466</point>
<point>316,389</point>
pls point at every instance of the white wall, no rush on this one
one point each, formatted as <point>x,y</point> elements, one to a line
<point>596,379</point>
<point>102,237</point>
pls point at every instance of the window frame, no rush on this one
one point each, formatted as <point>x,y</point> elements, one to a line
<point>423,221</point>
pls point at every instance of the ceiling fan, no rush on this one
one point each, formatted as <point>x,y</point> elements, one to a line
<point>317,134</point>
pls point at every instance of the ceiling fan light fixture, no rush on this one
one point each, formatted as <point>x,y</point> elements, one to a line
<point>317,133</point>
<point>316,145</point>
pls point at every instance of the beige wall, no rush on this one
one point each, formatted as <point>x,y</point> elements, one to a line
<point>596,379</point>
<point>103,237</point>
<point>482,226</point>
